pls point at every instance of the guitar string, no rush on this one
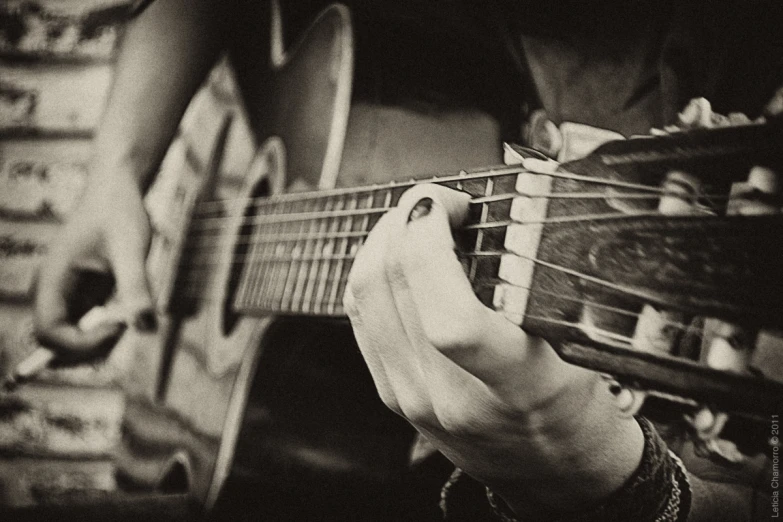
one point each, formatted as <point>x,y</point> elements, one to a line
<point>462,177</point>
<point>204,223</point>
<point>530,195</point>
<point>316,308</point>
<point>266,201</point>
<point>216,252</point>
<point>206,239</point>
<point>618,288</point>
<point>302,258</point>
<point>220,224</point>
<point>239,259</point>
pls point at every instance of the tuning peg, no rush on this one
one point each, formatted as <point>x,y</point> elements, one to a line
<point>756,196</point>
<point>707,423</point>
<point>680,193</point>
<point>728,346</point>
<point>659,330</point>
<point>707,426</point>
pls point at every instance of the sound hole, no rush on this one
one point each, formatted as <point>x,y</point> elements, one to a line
<point>231,318</point>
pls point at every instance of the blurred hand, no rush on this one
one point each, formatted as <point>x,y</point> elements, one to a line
<point>498,403</point>
<point>107,233</point>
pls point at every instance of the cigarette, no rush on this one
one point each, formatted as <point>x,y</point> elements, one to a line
<point>37,361</point>
<point>29,367</point>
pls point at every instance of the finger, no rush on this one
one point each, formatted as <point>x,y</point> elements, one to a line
<point>128,258</point>
<point>452,318</point>
<point>455,203</point>
<point>72,344</point>
<point>369,353</point>
<point>452,390</point>
<point>378,329</point>
<point>478,339</point>
<point>52,327</point>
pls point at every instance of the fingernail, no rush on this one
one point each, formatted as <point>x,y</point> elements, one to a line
<point>146,321</point>
<point>421,209</point>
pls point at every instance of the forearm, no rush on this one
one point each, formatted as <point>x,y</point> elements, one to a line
<point>165,54</point>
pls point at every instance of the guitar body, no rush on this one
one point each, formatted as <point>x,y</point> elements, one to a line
<point>188,382</point>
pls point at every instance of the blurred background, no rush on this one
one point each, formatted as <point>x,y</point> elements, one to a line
<point>58,436</point>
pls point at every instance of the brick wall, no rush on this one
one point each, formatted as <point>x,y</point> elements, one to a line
<point>59,436</point>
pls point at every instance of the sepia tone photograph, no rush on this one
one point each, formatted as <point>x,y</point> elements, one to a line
<point>391,260</point>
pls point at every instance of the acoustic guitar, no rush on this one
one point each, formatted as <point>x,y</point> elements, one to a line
<point>620,259</point>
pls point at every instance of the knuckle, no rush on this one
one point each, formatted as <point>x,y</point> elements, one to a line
<point>356,284</point>
<point>41,331</point>
<point>395,270</point>
<point>349,303</point>
<point>451,335</point>
<point>457,420</point>
<point>389,399</point>
<point>415,409</point>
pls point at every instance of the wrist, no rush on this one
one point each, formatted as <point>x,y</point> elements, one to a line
<point>583,454</point>
<point>109,179</point>
<point>123,161</point>
<point>657,491</point>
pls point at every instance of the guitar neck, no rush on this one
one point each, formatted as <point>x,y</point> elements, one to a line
<point>299,248</point>
<point>296,250</point>
<point>584,256</point>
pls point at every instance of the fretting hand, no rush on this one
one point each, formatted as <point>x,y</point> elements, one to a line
<point>499,403</point>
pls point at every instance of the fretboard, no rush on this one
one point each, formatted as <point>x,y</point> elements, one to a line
<point>302,246</point>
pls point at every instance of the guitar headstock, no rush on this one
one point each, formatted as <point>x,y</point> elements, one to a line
<point>657,260</point>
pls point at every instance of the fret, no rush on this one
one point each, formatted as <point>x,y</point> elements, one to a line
<point>474,187</point>
<point>336,272</point>
<point>390,197</point>
<point>297,249</point>
<point>277,275</point>
<point>327,250</point>
<point>480,233</point>
<point>242,287</point>
<point>386,198</point>
<point>345,270</point>
<point>260,293</point>
<point>261,258</point>
<point>307,252</point>
<point>318,246</point>
<point>301,263</point>
<point>256,256</point>
<point>378,199</point>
